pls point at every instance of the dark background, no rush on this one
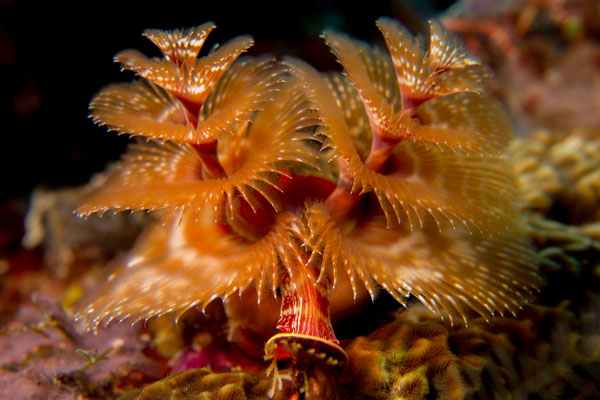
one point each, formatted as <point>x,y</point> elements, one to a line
<point>55,57</point>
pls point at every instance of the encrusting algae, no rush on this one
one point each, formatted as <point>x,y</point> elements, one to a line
<point>272,177</point>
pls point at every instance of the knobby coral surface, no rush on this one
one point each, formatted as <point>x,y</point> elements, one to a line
<point>200,383</point>
<point>417,357</point>
<point>559,173</point>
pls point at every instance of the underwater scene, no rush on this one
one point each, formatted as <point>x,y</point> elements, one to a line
<point>212,201</point>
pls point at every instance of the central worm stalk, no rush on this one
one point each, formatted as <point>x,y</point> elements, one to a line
<point>307,352</point>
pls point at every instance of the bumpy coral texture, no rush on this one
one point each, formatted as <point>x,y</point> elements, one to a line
<point>559,173</point>
<point>200,383</point>
<point>261,173</point>
<point>417,357</point>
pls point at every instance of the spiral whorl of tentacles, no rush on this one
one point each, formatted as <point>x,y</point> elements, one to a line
<point>273,176</point>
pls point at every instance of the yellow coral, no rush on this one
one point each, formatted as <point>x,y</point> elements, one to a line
<point>201,383</point>
<point>559,173</point>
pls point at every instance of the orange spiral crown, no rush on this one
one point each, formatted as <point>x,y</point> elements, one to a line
<point>272,176</point>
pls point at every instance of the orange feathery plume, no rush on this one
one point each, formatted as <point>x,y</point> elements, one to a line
<point>276,177</point>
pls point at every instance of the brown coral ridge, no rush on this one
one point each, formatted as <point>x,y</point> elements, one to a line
<point>201,383</point>
<point>569,257</point>
<point>302,186</point>
<point>546,353</point>
<point>559,174</point>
